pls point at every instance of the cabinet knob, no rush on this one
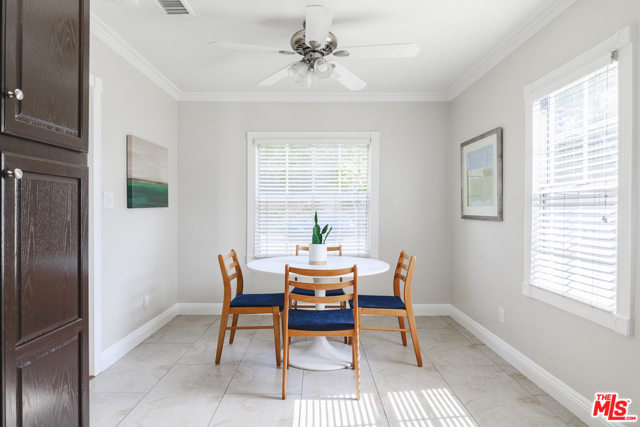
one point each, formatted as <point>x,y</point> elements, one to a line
<point>18,94</point>
<point>16,173</point>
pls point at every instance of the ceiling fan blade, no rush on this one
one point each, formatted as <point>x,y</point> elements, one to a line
<point>275,77</point>
<point>406,50</point>
<point>318,23</point>
<point>250,48</point>
<point>347,78</point>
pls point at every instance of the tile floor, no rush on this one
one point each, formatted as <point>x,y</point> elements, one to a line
<point>171,380</point>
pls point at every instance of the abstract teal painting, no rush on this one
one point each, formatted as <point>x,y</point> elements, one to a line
<point>147,174</point>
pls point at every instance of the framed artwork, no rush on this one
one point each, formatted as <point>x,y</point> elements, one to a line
<point>481,166</point>
<point>147,174</point>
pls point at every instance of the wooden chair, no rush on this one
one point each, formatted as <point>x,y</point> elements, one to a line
<point>245,304</point>
<point>394,306</point>
<point>321,323</point>
<point>300,291</point>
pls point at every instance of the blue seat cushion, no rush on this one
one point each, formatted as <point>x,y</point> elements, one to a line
<point>258,300</point>
<point>379,301</point>
<point>321,320</point>
<point>309,292</point>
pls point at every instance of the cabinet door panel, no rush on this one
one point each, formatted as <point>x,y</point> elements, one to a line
<point>49,238</point>
<point>45,292</point>
<point>46,57</point>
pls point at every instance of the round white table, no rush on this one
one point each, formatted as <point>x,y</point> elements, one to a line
<point>319,354</point>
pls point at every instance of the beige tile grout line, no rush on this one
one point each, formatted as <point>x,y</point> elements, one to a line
<point>475,346</point>
<point>374,382</point>
<point>444,379</point>
<point>168,370</point>
<point>237,367</point>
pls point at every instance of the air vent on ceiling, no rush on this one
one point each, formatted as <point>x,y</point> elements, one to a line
<point>174,7</point>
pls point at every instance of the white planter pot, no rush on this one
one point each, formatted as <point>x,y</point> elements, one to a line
<point>317,254</point>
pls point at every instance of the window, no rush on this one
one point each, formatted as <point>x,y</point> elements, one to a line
<point>293,175</point>
<point>579,222</point>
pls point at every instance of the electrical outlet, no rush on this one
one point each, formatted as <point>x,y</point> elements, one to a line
<point>146,302</point>
<point>501,315</point>
<point>108,200</point>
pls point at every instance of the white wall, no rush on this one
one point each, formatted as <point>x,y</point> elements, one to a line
<point>487,257</point>
<point>139,254</point>
<point>414,184</point>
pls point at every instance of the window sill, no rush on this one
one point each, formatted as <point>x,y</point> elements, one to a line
<point>620,324</point>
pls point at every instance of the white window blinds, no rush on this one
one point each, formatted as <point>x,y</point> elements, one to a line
<point>575,189</point>
<point>296,179</point>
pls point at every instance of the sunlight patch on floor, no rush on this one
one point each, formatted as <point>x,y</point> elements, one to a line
<point>337,411</point>
<point>443,407</point>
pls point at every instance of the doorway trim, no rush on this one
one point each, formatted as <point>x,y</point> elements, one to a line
<point>95,225</point>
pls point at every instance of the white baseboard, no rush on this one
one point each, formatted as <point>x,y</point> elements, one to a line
<point>431,309</point>
<point>128,343</point>
<point>199,309</point>
<point>579,405</point>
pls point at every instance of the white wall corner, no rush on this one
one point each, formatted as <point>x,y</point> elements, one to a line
<point>105,33</point>
<point>128,343</point>
<point>578,404</point>
<point>549,11</point>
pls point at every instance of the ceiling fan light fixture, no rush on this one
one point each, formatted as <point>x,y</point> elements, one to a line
<point>298,71</point>
<point>322,69</point>
<point>307,81</point>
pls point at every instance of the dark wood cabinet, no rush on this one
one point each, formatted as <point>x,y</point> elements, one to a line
<point>44,204</point>
<point>46,62</point>
<point>45,276</point>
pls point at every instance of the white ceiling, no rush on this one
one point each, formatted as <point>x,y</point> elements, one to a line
<point>453,35</point>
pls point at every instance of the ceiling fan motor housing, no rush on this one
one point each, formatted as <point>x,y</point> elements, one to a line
<point>299,46</point>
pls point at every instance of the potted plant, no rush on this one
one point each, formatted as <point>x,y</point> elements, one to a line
<point>318,246</point>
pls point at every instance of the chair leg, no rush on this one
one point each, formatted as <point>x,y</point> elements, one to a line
<point>223,330</point>
<point>353,354</point>
<point>404,334</point>
<point>234,323</point>
<point>356,346</point>
<point>276,333</point>
<point>286,364</point>
<point>414,337</point>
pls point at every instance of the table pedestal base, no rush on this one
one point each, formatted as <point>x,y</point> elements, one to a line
<point>320,354</point>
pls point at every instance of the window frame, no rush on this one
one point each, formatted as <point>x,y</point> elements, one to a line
<point>312,138</point>
<point>621,319</point>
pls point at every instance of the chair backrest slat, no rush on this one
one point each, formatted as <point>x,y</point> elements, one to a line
<point>329,249</point>
<point>401,277</point>
<point>328,274</point>
<point>321,286</point>
<point>406,279</point>
<point>321,273</point>
<point>226,278</point>
<point>321,300</point>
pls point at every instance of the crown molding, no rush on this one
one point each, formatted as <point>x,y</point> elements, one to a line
<point>314,97</point>
<point>511,42</point>
<point>105,33</point>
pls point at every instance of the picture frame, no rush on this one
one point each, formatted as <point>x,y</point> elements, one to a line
<point>481,177</point>
<point>147,174</point>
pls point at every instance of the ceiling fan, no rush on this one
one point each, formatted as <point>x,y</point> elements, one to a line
<point>315,42</point>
